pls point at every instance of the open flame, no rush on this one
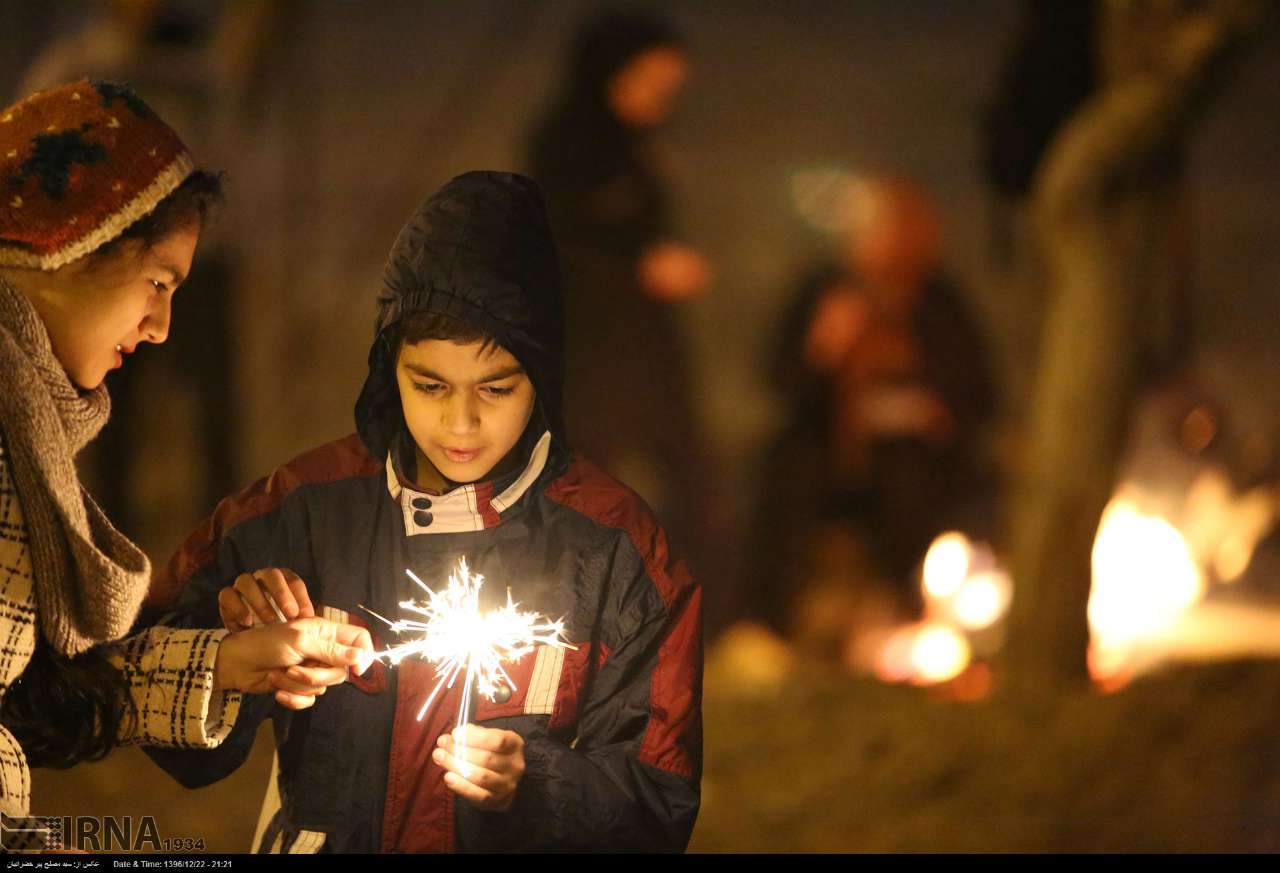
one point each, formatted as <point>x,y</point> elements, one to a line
<point>1144,576</point>
<point>963,584</point>
<point>966,594</point>
<point>982,600</point>
<point>946,564</point>
<point>1156,554</point>
<point>1151,571</point>
<point>923,654</point>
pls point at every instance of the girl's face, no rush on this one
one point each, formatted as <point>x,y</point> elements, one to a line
<point>465,408</point>
<point>98,312</point>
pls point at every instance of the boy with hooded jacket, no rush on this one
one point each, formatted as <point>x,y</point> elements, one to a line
<point>461,452</point>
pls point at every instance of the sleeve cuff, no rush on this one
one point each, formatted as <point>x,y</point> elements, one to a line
<point>170,674</point>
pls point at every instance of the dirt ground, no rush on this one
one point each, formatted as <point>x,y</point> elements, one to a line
<point>1187,760</point>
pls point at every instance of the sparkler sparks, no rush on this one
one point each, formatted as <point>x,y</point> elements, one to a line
<point>461,640</point>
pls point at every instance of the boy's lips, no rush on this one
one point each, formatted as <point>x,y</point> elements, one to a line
<point>460,456</point>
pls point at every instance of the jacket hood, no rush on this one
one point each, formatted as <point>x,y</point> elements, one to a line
<point>480,250</point>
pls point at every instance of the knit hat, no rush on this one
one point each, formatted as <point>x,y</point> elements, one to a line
<point>78,165</point>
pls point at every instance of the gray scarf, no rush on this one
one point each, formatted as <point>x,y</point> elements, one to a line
<point>89,578</point>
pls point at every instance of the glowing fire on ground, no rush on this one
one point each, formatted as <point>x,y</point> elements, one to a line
<point>966,594</point>
<point>963,583</point>
<point>923,654</point>
<point>1149,574</point>
<point>946,564</point>
<point>1144,578</point>
<point>1155,556</point>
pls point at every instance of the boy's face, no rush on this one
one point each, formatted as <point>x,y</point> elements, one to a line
<point>465,408</point>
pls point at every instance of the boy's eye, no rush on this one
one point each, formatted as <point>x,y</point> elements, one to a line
<point>161,287</point>
<point>428,387</point>
<point>497,391</point>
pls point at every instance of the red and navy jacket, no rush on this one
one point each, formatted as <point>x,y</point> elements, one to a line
<point>612,729</point>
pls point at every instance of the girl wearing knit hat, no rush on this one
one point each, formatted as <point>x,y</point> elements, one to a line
<point>101,208</point>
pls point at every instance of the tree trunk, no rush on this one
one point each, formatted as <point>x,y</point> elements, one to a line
<point>1104,200</point>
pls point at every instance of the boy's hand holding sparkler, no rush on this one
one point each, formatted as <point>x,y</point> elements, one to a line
<point>492,770</point>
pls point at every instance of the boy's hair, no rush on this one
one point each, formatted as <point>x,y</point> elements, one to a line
<point>416,327</point>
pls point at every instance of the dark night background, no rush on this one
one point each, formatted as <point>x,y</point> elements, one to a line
<point>356,111</point>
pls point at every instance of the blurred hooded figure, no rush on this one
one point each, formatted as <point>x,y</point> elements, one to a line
<point>627,382</point>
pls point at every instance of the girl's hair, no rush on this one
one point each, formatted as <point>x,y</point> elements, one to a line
<point>63,711</point>
<point>67,710</point>
<point>419,326</point>
<point>192,202</point>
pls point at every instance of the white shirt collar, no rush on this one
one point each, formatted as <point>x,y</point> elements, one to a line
<point>468,507</point>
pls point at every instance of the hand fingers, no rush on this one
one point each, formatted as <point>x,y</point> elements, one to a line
<point>481,777</point>
<point>477,760</point>
<point>277,587</point>
<point>310,642</point>
<point>234,612</point>
<point>497,751</point>
<point>327,629</point>
<point>317,676</point>
<point>483,788</point>
<point>489,739</point>
<point>294,701</point>
<point>351,635</point>
<point>285,680</point>
<point>254,596</point>
<point>478,796</point>
<point>299,590</point>
<point>359,639</point>
<point>347,635</point>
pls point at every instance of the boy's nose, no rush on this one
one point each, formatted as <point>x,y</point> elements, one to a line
<point>460,413</point>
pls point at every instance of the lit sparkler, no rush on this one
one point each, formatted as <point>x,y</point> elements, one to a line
<point>461,640</point>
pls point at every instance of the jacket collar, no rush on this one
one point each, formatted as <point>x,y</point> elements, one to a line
<point>471,507</point>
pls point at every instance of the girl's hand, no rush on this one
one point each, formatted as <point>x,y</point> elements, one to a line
<point>297,660</point>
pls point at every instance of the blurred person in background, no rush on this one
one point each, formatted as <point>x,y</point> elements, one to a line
<point>888,385</point>
<point>1049,70</point>
<point>628,379</point>
<point>102,210</point>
